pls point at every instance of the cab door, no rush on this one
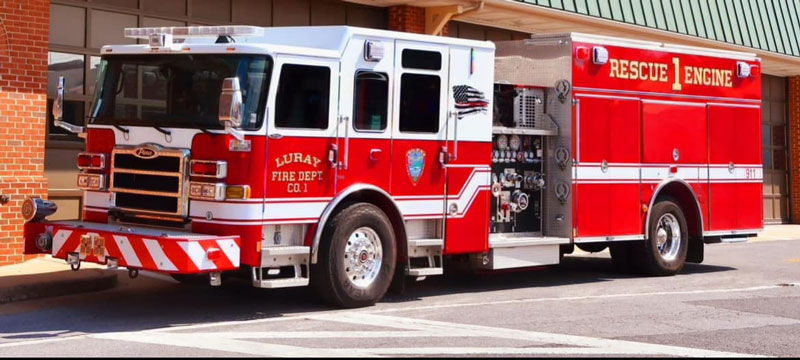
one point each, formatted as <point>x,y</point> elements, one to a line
<point>364,127</point>
<point>469,149</point>
<point>418,135</point>
<point>301,145</point>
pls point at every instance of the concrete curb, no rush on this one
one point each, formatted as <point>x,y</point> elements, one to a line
<point>97,280</point>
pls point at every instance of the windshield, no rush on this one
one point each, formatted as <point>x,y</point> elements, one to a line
<point>180,90</point>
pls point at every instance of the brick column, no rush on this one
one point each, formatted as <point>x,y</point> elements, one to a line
<point>409,19</point>
<point>24,36</point>
<point>794,146</point>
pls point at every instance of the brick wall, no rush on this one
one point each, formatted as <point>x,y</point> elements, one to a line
<point>794,146</point>
<point>409,19</point>
<point>24,31</point>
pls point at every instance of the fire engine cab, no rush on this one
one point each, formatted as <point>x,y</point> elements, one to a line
<point>350,157</point>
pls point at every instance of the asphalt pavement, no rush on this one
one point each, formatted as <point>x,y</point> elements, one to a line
<point>743,301</point>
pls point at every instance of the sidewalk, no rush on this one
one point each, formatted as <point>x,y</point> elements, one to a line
<point>778,232</point>
<point>48,277</point>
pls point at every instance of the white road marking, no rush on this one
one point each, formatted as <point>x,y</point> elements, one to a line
<point>332,334</point>
<point>498,302</point>
<point>41,341</point>
<point>573,345</point>
<point>605,346</point>
<point>210,342</point>
<point>580,345</point>
<point>588,297</point>
<point>29,333</point>
<point>494,351</point>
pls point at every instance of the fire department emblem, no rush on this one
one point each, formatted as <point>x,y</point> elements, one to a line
<point>415,164</point>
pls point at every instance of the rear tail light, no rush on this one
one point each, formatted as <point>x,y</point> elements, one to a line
<point>205,168</point>
<point>91,181</point>
<point>91,161</point>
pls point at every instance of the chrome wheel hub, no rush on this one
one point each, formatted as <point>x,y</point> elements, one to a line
<point>668,236</point>
<point>363,257</point>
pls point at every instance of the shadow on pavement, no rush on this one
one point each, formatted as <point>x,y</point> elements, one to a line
<point>136,306</point>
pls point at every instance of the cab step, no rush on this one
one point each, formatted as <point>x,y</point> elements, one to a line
<point>276,261</point>
<point>425,257</point>
<point>282,283</point>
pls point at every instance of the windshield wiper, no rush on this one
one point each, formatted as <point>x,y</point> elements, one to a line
<point>162,130</point>
<point>159,128</point>
<point>121,128</point>
<point>204,129</point>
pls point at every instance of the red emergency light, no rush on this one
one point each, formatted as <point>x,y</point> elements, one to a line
<point>205,168</point>
<point>91,161</point>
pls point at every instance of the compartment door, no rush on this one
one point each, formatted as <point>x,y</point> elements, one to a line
<point>735,169</point>
<point>675,146</point>
<point>608,154</point>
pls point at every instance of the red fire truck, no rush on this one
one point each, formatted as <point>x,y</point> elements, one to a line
<point>350,157</point>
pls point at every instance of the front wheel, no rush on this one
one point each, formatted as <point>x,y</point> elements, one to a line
<point>356,257</point>
<point>664,251</point>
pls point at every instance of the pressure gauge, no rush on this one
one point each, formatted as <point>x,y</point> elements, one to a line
<point>502,142</point>
<point>515,142</point>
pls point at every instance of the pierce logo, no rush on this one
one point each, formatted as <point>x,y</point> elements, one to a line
<point>144,153</point>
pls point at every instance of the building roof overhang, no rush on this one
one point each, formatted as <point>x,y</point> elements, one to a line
<point>518,16</point>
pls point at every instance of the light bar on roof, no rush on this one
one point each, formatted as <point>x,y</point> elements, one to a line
<point>194,31</point>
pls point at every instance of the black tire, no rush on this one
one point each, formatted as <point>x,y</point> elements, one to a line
<point>330,275</point>
<point>592,247</point>
<point>650,259</point>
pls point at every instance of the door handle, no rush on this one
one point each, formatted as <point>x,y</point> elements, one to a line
<point>375,154</point>
<point>333,155</point>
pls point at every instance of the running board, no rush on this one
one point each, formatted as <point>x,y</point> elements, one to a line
<point>425,257</point>
<point>508,252</point>
<point>275,261</point>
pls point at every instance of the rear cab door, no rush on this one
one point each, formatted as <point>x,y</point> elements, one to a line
<point>364,127</point>
<point>419,130</point>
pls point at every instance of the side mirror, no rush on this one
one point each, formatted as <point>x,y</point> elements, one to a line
<point>58,103</point>
<point>230,102</point>
<point>58,111</point>
<point>230,106</point>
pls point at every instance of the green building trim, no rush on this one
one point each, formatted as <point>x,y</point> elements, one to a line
<point>769,25</point>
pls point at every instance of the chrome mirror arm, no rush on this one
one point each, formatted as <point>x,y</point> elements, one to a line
<point>58,111</point>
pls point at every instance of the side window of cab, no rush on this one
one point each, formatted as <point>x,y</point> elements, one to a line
<point>302,100</point>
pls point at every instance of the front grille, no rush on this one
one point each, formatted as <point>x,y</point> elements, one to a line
<point>151,181</point>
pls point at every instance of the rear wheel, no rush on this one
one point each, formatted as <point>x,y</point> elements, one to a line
<point>664,251</point>
<point>356,257</point>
